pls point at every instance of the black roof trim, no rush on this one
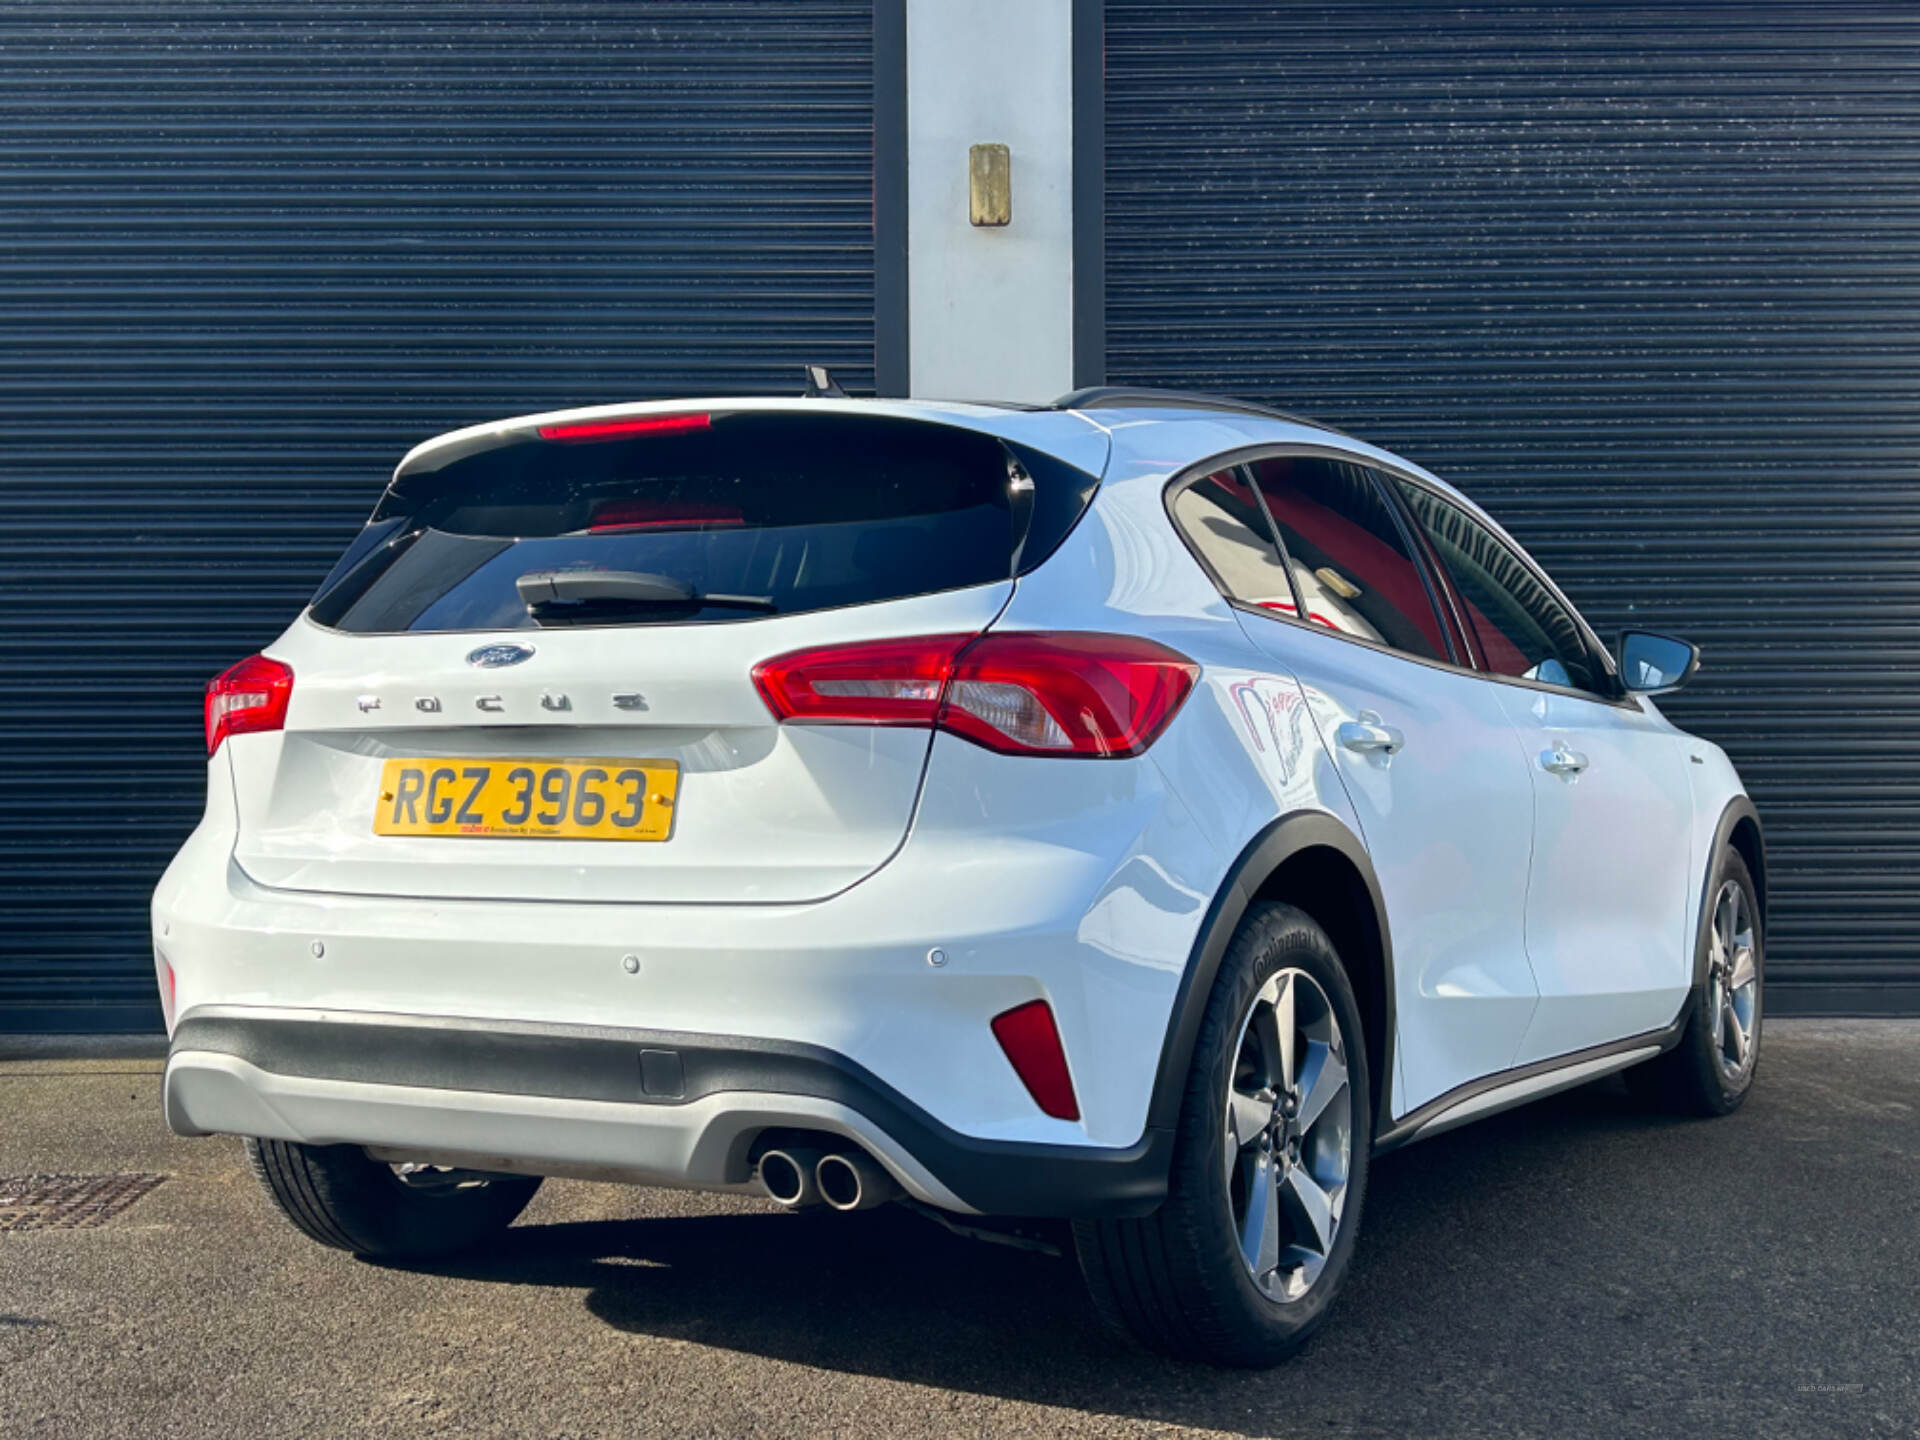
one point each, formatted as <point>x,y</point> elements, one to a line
<point>1120,397</point>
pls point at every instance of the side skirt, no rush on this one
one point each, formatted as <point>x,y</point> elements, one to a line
<point>1507,1088</point>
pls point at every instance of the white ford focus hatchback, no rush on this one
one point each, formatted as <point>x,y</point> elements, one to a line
<point>1139,811</point>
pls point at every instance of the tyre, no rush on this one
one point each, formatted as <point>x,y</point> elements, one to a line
<point>1269,1171</point>
<point>1710,1071</point>
<point>337,1195</point>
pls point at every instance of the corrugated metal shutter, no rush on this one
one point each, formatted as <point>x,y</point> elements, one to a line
<point>249,253</point>
<point>1642,279</point>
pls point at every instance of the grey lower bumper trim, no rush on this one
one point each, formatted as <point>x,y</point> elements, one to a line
<point>702,1144</point>
<point>441,1068</point>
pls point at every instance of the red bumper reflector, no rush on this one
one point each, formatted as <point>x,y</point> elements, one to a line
<point>166,989</point>
<point>620,429</point>
<point>1032,1042</point>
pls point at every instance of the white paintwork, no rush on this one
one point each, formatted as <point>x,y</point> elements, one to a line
<point>990,310</point>
<point>1098,883</point>
<point>765,812</point>
<point>1448,822</point>
<point>1607,899</point>
<point>1083,882</point>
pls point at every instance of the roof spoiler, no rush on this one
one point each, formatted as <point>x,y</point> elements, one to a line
<point>1119,397</point>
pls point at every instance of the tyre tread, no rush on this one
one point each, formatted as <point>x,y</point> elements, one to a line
<point>1160,1278</point>
<point>1685,1080</point>
<point>338,1196</point>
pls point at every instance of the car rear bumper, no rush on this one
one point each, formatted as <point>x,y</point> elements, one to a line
<point>1090,902</point>
<point>644,1106</point>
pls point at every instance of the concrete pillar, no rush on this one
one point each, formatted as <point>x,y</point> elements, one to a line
<point>990,309</point>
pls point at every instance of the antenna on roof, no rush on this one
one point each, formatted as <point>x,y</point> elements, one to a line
<point>822,385</point>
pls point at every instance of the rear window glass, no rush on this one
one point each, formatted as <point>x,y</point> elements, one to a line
<point>717,518</point>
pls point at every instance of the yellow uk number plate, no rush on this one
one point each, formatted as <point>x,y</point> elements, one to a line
<point>529,799</point>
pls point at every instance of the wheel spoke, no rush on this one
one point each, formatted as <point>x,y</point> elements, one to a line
<point>1285,1178</point>
<point>1247,1119</point>
<point>1312,1204</point>
<point>1328,1079</point>
<point>1735,1032</point>
<point>1260,1230</point>
<point>1277,1031</point>
<point>1733,982</point>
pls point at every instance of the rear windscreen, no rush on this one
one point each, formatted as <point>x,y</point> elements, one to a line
<point>703,518</point>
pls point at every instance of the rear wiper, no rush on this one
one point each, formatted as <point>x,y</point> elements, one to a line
<point>548,591</point>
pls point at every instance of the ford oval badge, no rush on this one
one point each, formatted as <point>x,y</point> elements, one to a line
<point>496,657</point>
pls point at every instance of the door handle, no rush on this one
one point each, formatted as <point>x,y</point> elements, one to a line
<point>1562,761</point>
<point>1369,735</point>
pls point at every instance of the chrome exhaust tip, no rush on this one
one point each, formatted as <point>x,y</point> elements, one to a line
<point>853,1181</point>
<point>788,1177</point>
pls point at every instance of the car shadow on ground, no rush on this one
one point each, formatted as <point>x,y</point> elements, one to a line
<point>1464,1236</point>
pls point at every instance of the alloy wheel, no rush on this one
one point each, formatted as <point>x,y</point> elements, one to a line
<point>1289,1134</point>
<point>1733,984</point>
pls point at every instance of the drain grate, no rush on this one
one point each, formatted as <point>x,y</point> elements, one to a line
<point>68,1202</point>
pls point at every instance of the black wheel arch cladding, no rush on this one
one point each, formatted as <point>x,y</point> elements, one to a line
<point>1739,830</point>
<point>1312,837</point>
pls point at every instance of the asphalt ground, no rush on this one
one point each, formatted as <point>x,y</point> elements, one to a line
<point>1575,1268</point>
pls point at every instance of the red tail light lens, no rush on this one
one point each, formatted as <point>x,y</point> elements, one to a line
<point>247,697</point>
<point>622,429</point>
<point>1022,693</point>
<point>1032,1044</point>
<point>1065,693</point>
<point>880,682</point>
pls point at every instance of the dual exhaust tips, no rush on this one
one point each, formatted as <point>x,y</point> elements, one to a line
<point>845,1179</point>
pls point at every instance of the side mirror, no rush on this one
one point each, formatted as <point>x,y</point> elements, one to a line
<point>1656,664</point>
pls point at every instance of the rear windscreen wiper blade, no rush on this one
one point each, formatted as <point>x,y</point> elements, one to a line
<point>544,590</point>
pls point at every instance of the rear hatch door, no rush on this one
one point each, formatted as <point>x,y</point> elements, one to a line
<point>561,633</point>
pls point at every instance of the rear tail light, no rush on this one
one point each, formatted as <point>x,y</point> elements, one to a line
<point>877,682</point>
<point>622,429</point>
<point>1021,693</point>
<point>1032,1044</point>
<point>248,697</point>
<point>1037,693</point>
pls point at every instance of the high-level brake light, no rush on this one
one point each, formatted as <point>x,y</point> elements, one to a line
<point>620,516</point>
<point>1064,693</point>
<point>621,429</point>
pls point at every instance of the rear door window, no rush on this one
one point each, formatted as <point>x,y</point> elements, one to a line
<point>1351,562</point>
<point>718,517</point>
